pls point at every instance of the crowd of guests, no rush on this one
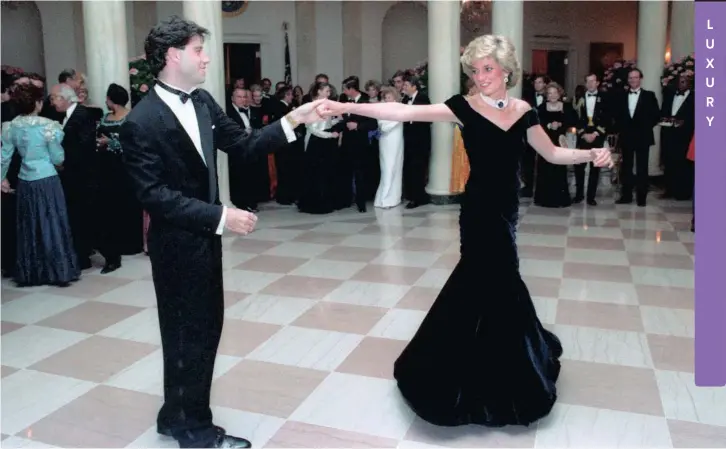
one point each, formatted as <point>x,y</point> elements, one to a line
<point>66,195</point>
<point>594,118</point>
<point>65,191</point>
<point>337,163</point>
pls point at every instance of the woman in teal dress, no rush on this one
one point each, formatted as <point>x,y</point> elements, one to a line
<point>45,254</point>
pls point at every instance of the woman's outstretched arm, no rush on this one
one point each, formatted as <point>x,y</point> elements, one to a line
<point>540,141</point>
<point>397,112</point>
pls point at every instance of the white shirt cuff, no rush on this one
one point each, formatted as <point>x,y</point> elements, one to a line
<point>222,221</point>
<point>289,132</point>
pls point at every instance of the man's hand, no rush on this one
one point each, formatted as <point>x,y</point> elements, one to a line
<point>240,221</point>
<point>5,187</point>
<point>307,113</point>
<point>352,126</point>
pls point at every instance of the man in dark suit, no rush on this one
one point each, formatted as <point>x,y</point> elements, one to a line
<point>416,148</point>
<point>592,129</point>
<point>355,145</point>
<point>248,178</point>
<point>77,174</point>
<point>678,124</point>
<point>170,140</point>
<point>636,114</point>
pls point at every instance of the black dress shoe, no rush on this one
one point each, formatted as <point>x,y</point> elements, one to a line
<point>166,431</point>
<point>362,208</point>
<point>110,267</point>
<point>592,202</point>
<point>578,199</point>
<point>624,200</point>
<point>228,441</point>
<point>412,205</point>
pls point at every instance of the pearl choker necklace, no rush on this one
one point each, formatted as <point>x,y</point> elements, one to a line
<point>499,104</point>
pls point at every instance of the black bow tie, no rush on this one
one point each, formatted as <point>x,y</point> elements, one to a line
<point>591,95</point>
<point>183,96</point>
<point>244,110</point>
<point>634,92</point>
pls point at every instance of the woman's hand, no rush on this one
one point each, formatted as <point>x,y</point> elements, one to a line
<point>601,157</point>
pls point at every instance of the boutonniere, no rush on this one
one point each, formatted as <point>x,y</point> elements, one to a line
<point>598,99</point>
<point>265,119</point>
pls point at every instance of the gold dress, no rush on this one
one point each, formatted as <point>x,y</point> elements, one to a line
<point>459,164</point>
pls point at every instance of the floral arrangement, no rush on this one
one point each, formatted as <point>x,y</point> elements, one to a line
<point>140,79</point>
<point>671,72</point>
<point>616,77</point>
<point>10,70</point>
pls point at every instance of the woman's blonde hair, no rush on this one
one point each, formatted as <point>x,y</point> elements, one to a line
<point>498,48</point>
<point>388,90</point>
<point>557,87</point>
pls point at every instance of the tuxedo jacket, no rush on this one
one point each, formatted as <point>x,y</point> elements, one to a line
<point>686,113</point>
<point>417,135</point>
<point>79,145</point>
<point>357,138</point>
<point>636,131</point>
<point>600,122</point>
<point>171,180</point>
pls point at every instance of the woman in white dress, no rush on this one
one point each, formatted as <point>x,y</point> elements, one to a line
<point>391,156</point>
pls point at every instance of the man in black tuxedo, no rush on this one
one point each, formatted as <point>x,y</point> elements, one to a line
<point>678,125</point>
<point>535,98</point>
<point>248,178</point>
<point>355,146</point>
<point>592,129</point>
<point>170,140</point>
<point>77,174</point>
<point>636,114</point>
<point>416,148</point>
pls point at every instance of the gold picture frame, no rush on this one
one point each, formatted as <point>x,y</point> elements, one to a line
<point>234,9</point>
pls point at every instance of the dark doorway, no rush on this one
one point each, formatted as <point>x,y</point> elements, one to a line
<point>557,66</point>
<point>242,61</point>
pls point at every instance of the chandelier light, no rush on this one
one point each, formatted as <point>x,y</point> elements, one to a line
<point>475,15</point>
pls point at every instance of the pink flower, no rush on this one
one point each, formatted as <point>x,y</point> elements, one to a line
<point>144,88</point>
<point>133,71</point>
<point>617,65</point>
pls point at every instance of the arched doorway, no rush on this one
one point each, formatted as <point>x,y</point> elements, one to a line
<point>22,36</point>
<point>405,37</point>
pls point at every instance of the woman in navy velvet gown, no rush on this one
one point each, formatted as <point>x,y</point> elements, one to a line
<point>481,355</point>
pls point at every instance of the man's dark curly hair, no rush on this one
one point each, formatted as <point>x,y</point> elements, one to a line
<point>174,32</point>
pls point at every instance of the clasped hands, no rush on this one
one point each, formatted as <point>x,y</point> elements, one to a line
<point>601,157</point>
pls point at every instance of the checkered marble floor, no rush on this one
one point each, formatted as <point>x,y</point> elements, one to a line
<point>318,308</point>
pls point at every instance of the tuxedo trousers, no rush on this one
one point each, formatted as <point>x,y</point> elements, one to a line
<point>639,155</point>
<point>187,273</point>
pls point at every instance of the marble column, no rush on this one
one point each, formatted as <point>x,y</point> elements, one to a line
<point>444,37</point>
<point>107,55</point>
<point>508,21</point>
<point>682,31</point>
<point>209,15</point>
<point>652,25</point>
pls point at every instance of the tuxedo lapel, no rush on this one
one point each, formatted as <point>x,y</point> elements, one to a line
<point>206,135</point>
<point>187,151</point>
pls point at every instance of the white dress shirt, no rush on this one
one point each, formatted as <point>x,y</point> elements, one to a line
<point>245,117</point>
<point>633,101</point>
<point>678,102</point>
<point>187,116</point>
<point>590,101</point>
<point>69,112</point>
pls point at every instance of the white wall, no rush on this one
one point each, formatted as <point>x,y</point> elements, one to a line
<point>22,38</point>
<point>370,38</point>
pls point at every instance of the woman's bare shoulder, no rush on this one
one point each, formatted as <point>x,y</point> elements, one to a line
<point>520,105</point>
